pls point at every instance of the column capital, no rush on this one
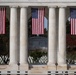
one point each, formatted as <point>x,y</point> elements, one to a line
<point>62,6</point>
<point>52,6</point>
<point>23,6</point>
<point>12,6</point>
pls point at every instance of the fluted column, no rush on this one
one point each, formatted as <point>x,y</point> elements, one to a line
<point>52,37</point>
<point>13,53</point>
<point>62,38</point>
<point>23,37</point>
<point>13,36</point>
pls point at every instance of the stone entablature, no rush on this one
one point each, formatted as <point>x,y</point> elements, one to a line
<point>26,3</point>
<point>37,1</point>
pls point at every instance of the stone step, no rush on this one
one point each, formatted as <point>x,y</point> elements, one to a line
<point>39,67</point>
<point>37,71</point>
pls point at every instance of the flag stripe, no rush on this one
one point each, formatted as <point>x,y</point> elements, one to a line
<point>71,27</point>
<point>75,26</point>
<point>2,20</point>
<point>38,22</point>
<point>73,21</point>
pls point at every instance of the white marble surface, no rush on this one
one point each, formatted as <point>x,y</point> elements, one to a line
<point>23,36</point>
<point>52,36</point>
<point>13,36</point>
<point>62,37</point>
<point>35,3</point>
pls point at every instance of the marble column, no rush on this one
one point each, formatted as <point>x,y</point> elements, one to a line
<point>52,37</point>
<point>13,37</point>
<point>23,39</point>
<point>62,37</point>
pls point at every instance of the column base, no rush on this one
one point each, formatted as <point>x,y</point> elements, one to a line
<point>9,67</point>
<point>72,67</point>
<point>24,67</point>
<point>51,66</point>
<point>3,67</point>
<point>62,67</point>
<point>12,67</point>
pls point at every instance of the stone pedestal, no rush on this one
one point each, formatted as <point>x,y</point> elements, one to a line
<point>62,67</point>
<point>72,67</point>
<point>51,67</point>
<point>12,67</point>
<point>24,67</point>
<point>38,69</point>
<point>8,67</point>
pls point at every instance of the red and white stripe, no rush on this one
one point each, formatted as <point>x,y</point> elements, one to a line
<point>73,26</point>
<point>38,23</point>
<point>2,20</point>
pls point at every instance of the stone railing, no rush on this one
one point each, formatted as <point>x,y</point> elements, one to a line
<point>42,60</point>
<point>4,59</point>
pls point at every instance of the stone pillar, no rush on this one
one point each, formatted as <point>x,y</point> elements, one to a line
<point>62,39</point>
<point>23,39</point>
<point>52,38</point>
<point>13,38</point>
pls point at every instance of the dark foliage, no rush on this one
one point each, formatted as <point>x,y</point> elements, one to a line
<point>4,41</point>
<point>36,54</point>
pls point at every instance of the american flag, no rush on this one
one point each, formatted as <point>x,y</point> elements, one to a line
<point>37,21</point>
<point>2,20</point>
<point>73,20</point>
